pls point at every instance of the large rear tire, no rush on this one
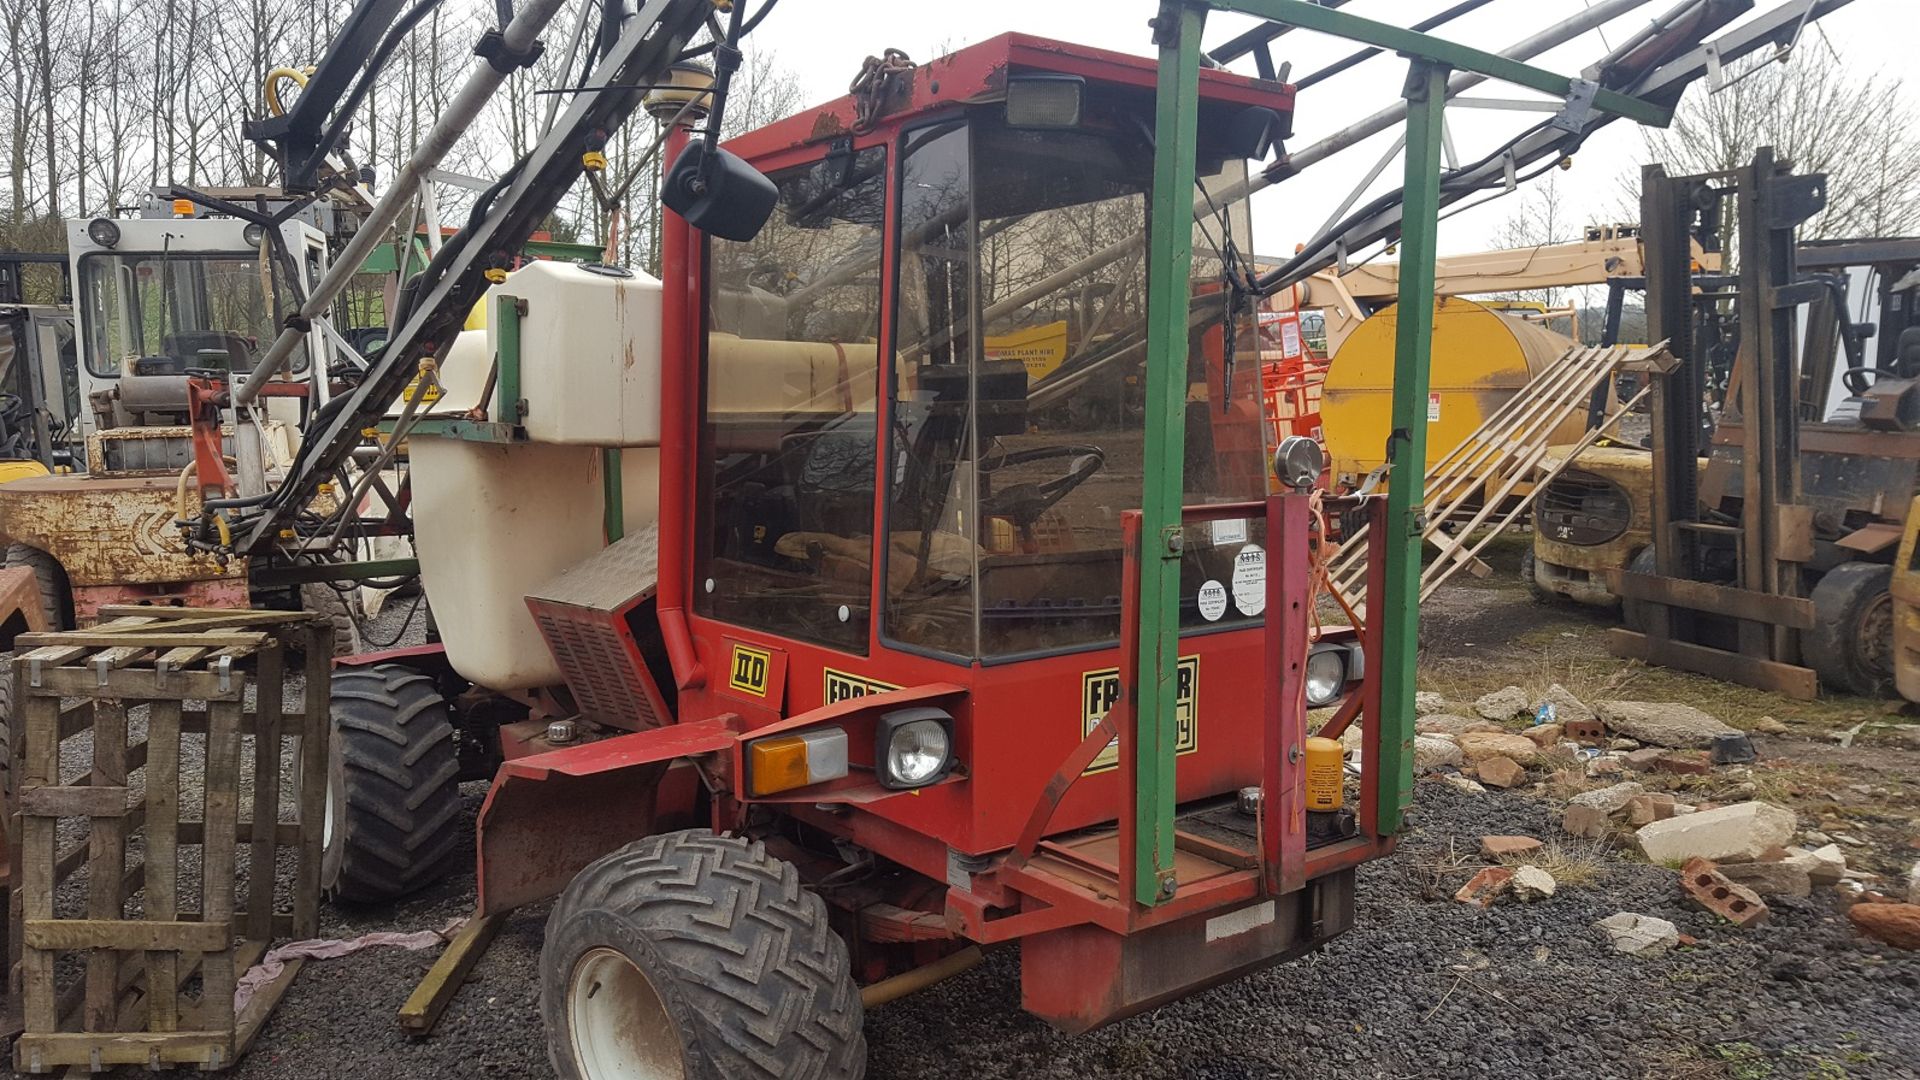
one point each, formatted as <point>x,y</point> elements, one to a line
<point>56,595</point>
<point>1851,643</point>
<point>393,786</point>
<point>694,956</point>
<point>346,632</point>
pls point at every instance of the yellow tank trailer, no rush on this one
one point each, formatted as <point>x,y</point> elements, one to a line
<point>1481,357</point>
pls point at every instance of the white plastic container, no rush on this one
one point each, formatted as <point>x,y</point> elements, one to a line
<point>493,521</point>
<point>589,353</point>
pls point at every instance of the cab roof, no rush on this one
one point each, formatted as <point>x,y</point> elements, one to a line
<point>978,73</point>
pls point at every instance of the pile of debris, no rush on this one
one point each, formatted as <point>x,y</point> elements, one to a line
<point>1731,853</point>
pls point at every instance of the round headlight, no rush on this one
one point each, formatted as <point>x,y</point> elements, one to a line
<point>103,231</point>
<point>1326,677</point>
<point>916,751</point>
<point>254,233</point>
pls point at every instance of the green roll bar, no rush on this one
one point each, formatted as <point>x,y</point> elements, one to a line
<point>1177,32</point>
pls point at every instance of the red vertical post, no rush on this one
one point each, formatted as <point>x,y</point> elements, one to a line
<point>1371,641</point>
<point>679,429</point>
<point>1127,708</point>
<point>1283,802</point>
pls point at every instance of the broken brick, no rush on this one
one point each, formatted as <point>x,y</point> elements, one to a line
<point>1584,731</point>
<point>1707,886</point>
<point>1506,847</point>
<point>1642,759</point>
<point>1485,886</point>
<point>1649,808</point>
<point>1590,822</point>
<point>1683,763</point>
<point>1501,772</point>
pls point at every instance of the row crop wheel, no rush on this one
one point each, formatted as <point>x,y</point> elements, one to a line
<point>695,956</point>
<point>393,786</point>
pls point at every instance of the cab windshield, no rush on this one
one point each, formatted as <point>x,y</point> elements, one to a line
<point>161,313</point>
<point>1019,408</point>
<point>1014,406</point>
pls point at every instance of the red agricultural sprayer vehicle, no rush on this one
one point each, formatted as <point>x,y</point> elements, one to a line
<point>895,575</point>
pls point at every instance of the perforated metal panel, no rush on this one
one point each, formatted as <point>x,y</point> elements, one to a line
<point>583,616</point>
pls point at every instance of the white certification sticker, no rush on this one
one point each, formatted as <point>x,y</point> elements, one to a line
<point>1229,531</point>
<point>1250,580</point>
<point>1213,601</point>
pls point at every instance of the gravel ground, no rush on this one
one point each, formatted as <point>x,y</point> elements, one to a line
<point>1423,986</point>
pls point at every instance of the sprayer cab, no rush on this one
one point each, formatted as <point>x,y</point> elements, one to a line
<point>896,577</point>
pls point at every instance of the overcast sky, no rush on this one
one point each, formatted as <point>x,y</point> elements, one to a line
<point>823,41</point>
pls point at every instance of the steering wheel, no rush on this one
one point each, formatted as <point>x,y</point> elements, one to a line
<point>1854,378</point>
<point>1023,503</point>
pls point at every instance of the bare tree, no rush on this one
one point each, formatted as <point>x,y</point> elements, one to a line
<point>1857,127</point>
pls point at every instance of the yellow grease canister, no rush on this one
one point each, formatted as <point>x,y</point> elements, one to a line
<point>1326,777</point>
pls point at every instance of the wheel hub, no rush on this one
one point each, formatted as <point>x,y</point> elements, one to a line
<point>618,1023</point>
<point>1875,635</point>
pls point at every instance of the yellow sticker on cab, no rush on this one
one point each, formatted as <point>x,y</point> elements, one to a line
<point>1099,690</point>
<point>748,670</point>
<point>841,685</point>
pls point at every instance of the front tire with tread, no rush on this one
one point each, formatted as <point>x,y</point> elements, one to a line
<point>1851,643</point>
<point>740,966</point>
<point>393,795</point>
<point>56,594</point>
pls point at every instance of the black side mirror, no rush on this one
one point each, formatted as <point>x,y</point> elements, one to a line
<point>721,195</point>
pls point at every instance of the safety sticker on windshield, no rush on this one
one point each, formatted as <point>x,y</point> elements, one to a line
<point>1099,690</point>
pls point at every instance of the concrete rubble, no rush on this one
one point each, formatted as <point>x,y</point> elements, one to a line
<point>1531,883</point>
<point>1448,724</point>
<point>1639,935</point>
<point>1771,878</point>
<point>1666,723</point>
<point>1510,703</point>
<point>1426,701</point>
<point>1566,706</point>
<point>1432,752</point>
<point>1480,745</point>
<point>1743,832</point>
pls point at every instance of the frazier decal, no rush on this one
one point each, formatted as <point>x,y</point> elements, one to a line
<point>748,672</point>
<point>841,685</point>
<point>1099,690</point>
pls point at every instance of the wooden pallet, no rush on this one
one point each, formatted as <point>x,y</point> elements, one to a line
<point>157,988</point>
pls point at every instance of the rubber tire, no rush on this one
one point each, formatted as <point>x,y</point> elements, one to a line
<point>1847,596</point>
<point>346,631</point>
<point>393,777</point>
<point>56,595</point>
<point>1633,613</point>
<point>752,975</point>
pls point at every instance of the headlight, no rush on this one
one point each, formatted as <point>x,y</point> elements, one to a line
<point>1326,676</point>
<point>914,747</point>
<point>103,231</point>
<point>785,762</point>
<point>254,233</point>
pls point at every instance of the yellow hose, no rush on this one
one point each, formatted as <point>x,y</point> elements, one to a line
<point>297,76</point>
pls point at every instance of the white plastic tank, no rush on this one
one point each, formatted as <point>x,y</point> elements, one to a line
<point>493,521</point>
<point>589,353</point>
